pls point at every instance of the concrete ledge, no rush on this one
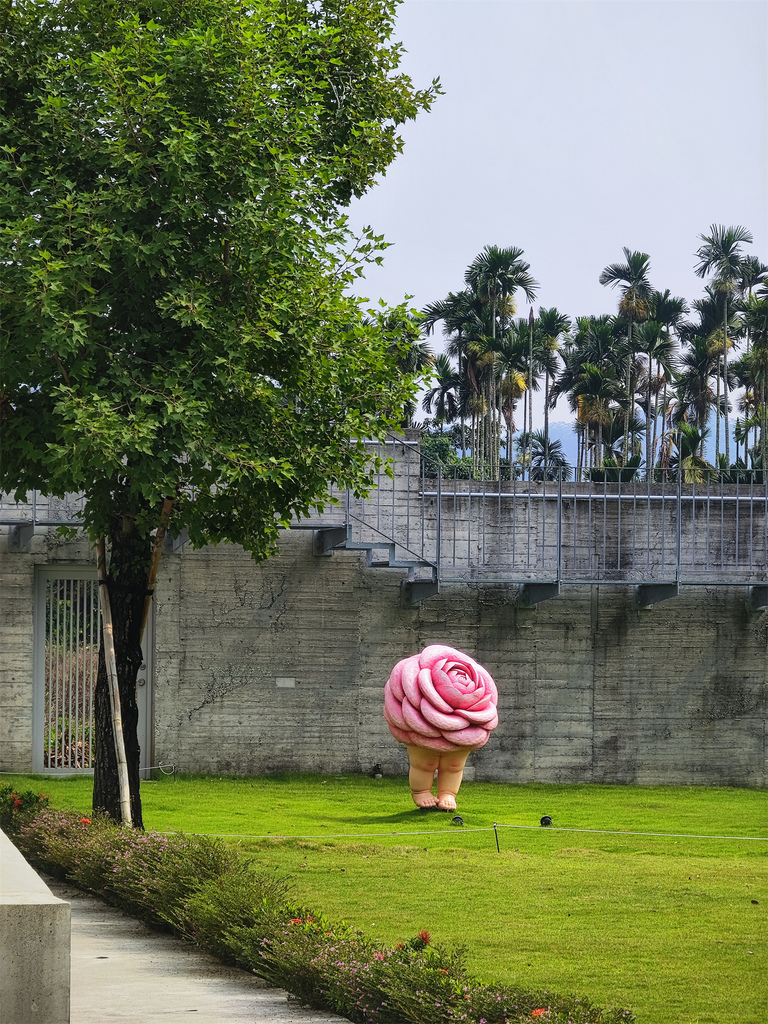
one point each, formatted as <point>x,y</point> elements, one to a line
<point>35,940</point>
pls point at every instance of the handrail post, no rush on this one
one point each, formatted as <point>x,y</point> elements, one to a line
<point>560,521</point>
<point>439,509</point>
<point>679,523</point>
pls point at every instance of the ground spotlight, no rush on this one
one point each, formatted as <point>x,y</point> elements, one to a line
<point>546,821</point>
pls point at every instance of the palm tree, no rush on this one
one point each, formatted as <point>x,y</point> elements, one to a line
<point>636,291</point>
<point>652,340</point>
<point>511,357</point>
<point>669,311</point>
<point>721,255</point>
<point>460,313</point>
<point>755,318</point>
<point>594,391</point>
<point>443,397</point>
<point>552,325</point>
<point>548,461</point>
<point>689,441</point>
<point>694,397</point>
<point>495,275</point>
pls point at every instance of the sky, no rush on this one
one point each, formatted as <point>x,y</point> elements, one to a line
<point>571,129</point>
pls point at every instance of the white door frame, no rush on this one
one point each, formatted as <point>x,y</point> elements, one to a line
<point>145,679</point>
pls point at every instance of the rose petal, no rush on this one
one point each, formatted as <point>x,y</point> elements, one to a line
<point>482,717</point>
<point>437,743</point>
<point>396,679</point>
<point>486,702</point>
<point>463,673</point>
<point>469,737</point>
<point>435,652</point>
<point>455,697</point>
<point>417,722</point>
<point>427,688</point>
<point>409,680</point>
<point>490,686</point>
<point>400,735</point>
<point>446,723</point>
<point>393,712</point>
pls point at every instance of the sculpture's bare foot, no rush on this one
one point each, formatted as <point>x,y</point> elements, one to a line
<point>425,799</point>
<point>447,802</point>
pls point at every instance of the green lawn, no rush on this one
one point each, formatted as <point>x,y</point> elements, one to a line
<point>671,926</point>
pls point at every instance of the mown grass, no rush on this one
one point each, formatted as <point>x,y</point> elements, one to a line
<point>664,924</point>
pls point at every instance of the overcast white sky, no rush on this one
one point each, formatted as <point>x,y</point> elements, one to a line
<point>571,128</point>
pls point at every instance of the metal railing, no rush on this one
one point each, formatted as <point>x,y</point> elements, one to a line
<point>711,531</point>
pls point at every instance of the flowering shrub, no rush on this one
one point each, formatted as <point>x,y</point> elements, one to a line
<point>14,804</point>
<point>202,890</point>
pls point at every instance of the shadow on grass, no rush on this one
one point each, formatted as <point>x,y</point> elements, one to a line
<point>409,817</point>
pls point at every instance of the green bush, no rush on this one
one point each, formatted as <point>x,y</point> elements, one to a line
<point>204,891</point>
<point>16,806</point>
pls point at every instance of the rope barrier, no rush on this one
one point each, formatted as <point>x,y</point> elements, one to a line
<point>166,769</point>
<point>462,829</point>
<point>170,769</point>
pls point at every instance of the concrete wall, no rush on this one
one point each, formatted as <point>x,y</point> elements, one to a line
<point>35,940</point>
<point>282,666</point>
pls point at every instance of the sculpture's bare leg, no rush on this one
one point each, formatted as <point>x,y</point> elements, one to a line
<point>424,764</point>
<point>449,775</point>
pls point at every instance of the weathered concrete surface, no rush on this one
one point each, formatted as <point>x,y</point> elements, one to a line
<point>281,667</point>
<point>123,973</point>
<point>34,938</point>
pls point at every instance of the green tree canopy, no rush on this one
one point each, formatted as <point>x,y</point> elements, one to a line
<point>175,323</point>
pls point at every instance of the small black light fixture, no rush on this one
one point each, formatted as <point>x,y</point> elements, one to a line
<point>457,820</point>
<point>546,821</point>
<point>377,772</point>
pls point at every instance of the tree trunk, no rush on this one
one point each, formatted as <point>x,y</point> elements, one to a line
<point>628,412</point>
<point>725,383</point>
<point>130,559</point>
<point>717,415</point>
<point>546,420</point>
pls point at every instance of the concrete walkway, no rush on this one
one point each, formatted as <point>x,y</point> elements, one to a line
<point>123,973</point>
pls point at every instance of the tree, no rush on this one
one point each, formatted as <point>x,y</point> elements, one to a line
<point>178,342</point>
<point>694,395</point>
<point>442,396</point>
<point>547,459</point>
<point>721,255</point>
<point>636,292</point>
<point>495,274</point>
<point>551,326</point>
<point>652,340</point>
<point>595,390</point>
<point>755,317</point>
<point>667,310</point>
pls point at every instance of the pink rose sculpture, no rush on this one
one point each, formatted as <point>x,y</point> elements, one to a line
<point>440,699</point>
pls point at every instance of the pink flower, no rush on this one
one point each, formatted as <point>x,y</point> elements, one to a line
<point>441,699</point>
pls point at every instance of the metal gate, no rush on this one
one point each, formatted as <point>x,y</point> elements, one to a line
<point>67,640</point>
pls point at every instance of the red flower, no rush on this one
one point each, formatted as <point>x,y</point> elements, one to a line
<point>425,937</point>
<point>297,920</point>
<point>539,1013</point>
<point>85,821</point>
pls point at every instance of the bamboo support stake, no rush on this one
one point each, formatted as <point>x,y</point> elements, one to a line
<point>114,688</point>
<point>153,569</point>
